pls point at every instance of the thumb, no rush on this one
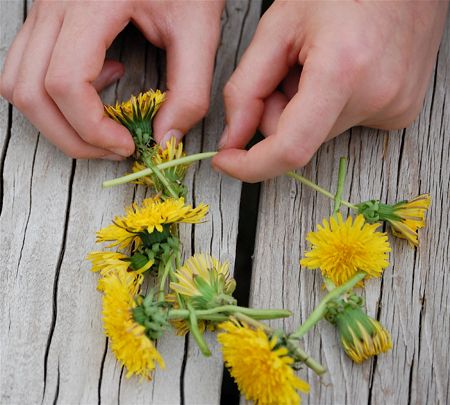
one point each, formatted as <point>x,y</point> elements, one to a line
<point>190,64</point>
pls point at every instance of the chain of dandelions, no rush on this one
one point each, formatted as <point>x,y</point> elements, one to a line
<point>197,295</point>
<point>193,296</point>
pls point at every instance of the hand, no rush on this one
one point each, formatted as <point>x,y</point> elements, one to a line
<point>315,69</point>
<point>57,64</point>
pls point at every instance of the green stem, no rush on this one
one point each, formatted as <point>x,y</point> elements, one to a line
<point>198,336</point>
<point>319,189</point>
<point>329,285</point>
<point>321,309</point>
<point>340,187</point>
<point>309,361</point>
<point>231,310</point>
<point>172,163</point>
<point>253,322</point>
<point>162,282</point>
<point>161,178</point>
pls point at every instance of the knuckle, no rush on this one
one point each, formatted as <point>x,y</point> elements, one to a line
<point>23,97</point>
<point>230,90</point>
<point>296,156</point>
<point>56,85</point>
<point>385,95</point>
<point>6,89</point>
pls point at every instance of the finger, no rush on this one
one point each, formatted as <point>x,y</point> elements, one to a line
<point>190,65</point>
<point>274,106</point>
<point>14,56</point>
<point>31,98</point>
<point>71,74</point>
<point>304,124</point>
<point>264,64</point>
<point>111,72</point>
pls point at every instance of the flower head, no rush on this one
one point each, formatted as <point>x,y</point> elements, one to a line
<point>204,282</point>
<point>137,114</point>
<point>341,249</point>
<point>405,217</point>
<point>260,366</point>
<point>154,214</point>
<point>361,336</point>
<point>128,339</point>
<point>174,175</point>
<point>107,263</point>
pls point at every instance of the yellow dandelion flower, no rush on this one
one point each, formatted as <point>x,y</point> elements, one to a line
<point>137,113</point>
<point>153,215</point>
<point>361,336</point>
<point>205,282</point>
<point>107,262</point>
<point>341,249</point>
<point>110,262</point>
<point>162,155</point>
<point>128,340</point>
<point>261,368</point>
<point>405,217</point>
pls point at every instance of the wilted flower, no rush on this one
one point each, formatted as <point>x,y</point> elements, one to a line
<point>204,282</point>
<point>405,217</point>
<point>128,339</point>
<point>261,367</point>
<point>341,249</point>
<point>361,336</point>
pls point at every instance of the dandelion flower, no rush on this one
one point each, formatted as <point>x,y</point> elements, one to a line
<point>261,368</point>
<point>405,217</point>
<point>341,249</point>
<point>162,155</point>
<point>128,340</point>
<point>107,262</point>
<point>361,336</point>
<point>153,215</point>
<point>205,282</point>
<point>137,113</point>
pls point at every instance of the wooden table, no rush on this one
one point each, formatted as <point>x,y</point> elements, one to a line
<point>52,346</point>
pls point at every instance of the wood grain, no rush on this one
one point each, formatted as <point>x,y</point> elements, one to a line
<point>412,299</point>
<point>52,346</point>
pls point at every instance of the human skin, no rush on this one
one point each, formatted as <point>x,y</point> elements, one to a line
<point>57,64</point>
<point>317,68</point>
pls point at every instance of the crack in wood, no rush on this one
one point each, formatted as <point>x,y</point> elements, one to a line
<point>3,154</point>
<point>30,205</point>
<point>100,378</point>
<point>56,278</point>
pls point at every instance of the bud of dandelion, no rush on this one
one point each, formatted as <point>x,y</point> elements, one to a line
<point>405,217</point>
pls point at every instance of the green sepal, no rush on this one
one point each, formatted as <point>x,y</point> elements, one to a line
<point>375,211</point>
<point>138,261</point>
<point>151,314</point>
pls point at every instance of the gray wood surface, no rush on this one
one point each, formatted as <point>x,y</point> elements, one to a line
<point>412,300</point>
<point>52,346</point>
<point>52,349</point>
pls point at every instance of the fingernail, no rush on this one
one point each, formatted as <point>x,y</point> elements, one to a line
<point>113,156</point>
<point>173,133</point>
<point>223,139</point>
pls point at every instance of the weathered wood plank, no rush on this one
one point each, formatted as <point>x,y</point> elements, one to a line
<point>412,300</point>
<point>218,236</point>
<point>52,340</point>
